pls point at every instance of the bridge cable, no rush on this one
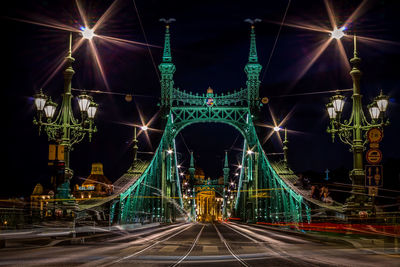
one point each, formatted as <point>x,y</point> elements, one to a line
<point>184,142</point>
<point>145,38</point>
<point>276,40</point>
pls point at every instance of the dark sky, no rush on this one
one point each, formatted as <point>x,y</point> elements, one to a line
<point>210,48</point>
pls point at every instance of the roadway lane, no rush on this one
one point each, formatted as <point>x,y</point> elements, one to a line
<point>198,244</point>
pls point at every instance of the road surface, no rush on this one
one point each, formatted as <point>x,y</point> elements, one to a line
<point>197,244</point>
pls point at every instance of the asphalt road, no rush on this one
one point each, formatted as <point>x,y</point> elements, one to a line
<point>196,244</point>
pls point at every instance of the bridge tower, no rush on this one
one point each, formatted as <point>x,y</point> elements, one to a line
<point>253,69</point>
<point>155,191</point>
<point>167,70</point>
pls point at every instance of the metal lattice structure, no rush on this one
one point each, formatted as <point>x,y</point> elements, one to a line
<point>262,195</point>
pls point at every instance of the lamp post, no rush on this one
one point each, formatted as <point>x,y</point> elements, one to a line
<point>64,128</point>
<point>353,132</point>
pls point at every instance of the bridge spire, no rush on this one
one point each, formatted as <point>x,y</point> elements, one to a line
<point>135,146</point>
<point>191,167</point>
<point>285,148</point>
<point>167,69</point>
<point>253,69</point>
<point>226,168</point>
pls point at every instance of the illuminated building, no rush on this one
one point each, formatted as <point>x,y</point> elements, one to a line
<point>40,198</point>
<point>95,185</point>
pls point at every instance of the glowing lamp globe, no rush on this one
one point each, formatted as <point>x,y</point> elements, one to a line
<point>382,102</point>
<point>50,109</point>
<point>144,128</point>
<point>87,33</point>
<point>84,102</point>
<point>337,33</point>
<point>331,111</point>
<point>92,109</point>
<point>277,128</point>
<point>374,111</point>
<point>40,100</point>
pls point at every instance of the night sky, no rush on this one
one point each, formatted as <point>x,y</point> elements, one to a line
<point>210,45</point>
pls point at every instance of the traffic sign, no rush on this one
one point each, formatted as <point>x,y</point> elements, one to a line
<point>373,175</point>
<point>374,156</point>
<point>374,135</point>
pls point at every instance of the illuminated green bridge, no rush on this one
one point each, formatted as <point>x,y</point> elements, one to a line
<point>152,191</point>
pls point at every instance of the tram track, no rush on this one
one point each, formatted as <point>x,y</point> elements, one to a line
<point>150,246</point>
<point>223,240</point>
<point>190,249</point>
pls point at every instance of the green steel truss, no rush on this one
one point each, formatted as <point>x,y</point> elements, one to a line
<point>262,195</point>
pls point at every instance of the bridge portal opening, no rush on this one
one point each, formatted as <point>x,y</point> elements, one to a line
<point>209,157</point>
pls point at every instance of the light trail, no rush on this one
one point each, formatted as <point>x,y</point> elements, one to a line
<point>152,245</point>
<point>229,247</point>
<point>191,248</point>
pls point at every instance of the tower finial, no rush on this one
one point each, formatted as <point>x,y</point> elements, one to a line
<point>253,50</point>
<point>226,165</point>
<point>167,46</point>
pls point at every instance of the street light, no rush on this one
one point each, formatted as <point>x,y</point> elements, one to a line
<point>352,131</point>
<point>331,111</point>
<point>337,102</point>
<point>84,102</point>
<point>338,33</point>
<point>40,100</point>
<point>374,111</point>
<point>92,109</point>
<point>144,128</point>
<point>64,129</point>
<point>382,101</point>
<point>49,109</point>
<point>277,128</point>
<point>87,33</point>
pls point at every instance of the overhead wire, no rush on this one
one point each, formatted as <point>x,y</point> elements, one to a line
<point>145,38</point>
<point>276,41</point>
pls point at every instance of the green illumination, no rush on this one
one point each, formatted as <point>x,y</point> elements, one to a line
<point>261,194</point>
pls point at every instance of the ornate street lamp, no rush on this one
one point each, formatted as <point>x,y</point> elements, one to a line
<point>63,128</point>
<point>382,101</point>
<point>353,131</point>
